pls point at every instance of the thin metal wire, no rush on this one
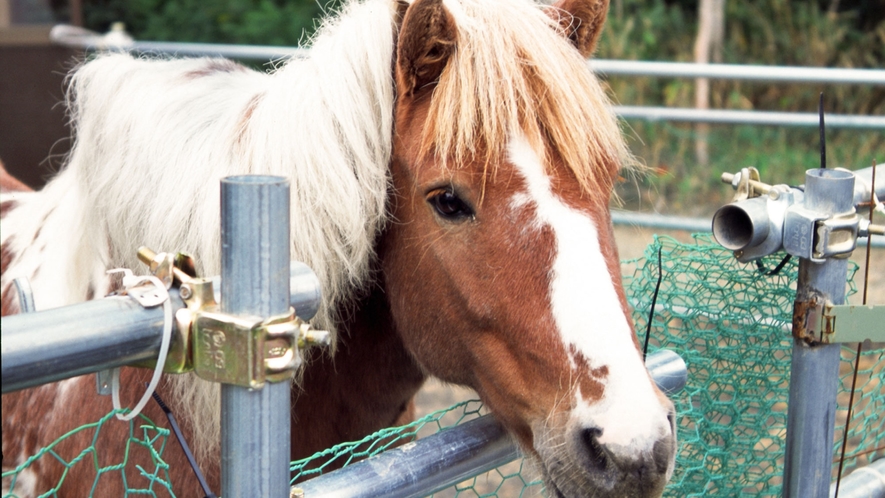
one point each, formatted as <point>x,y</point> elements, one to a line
<point>865,452</point>
<point>651,310</point>
<point>866,281</point>
<point>777,269</point>
<point>823,136</point>
<point>207,492</point>
<point>866,277</point>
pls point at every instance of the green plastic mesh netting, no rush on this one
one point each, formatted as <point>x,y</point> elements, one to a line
<point>344,454</point>
<point>144,435</point>
<point>730,323</point>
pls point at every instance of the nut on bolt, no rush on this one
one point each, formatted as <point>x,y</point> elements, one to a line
<point>865,229</point>
<point>308,336</point>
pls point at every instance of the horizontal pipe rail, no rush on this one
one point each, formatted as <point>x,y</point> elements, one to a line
<point>87,40</point>
<point>448,457</point>
<point>864,482</point>
<point>766,118</point>
<point>423,467</point>
<point>252,52</point>
<point>52,345</point>
<point>60,343</point>
<point>79,38</point>
<point>655,220</point>
<point>781,74</point>
<point>689,224</point>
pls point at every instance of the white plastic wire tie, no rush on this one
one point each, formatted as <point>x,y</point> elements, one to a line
<point>129,281</point>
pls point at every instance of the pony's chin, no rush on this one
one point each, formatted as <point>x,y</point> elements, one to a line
<point>565,475</point>
<point>578,484</point>
<point>573,483</point>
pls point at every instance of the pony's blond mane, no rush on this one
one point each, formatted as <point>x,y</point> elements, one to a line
<point>513,72</point>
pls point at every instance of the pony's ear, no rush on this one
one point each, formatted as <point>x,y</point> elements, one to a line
<point>426,41</point>
<point>581,21</point>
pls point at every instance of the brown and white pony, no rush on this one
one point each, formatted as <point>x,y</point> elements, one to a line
<point>451,164</point>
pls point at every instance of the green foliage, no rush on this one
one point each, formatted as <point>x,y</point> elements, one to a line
<point>676,182</point>
<point>771,32</point>
<point>253,22</point>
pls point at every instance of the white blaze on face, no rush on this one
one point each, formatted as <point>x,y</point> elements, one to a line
<point>589,317</point>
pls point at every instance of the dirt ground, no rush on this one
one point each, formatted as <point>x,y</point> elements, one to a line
<point>632,241</point>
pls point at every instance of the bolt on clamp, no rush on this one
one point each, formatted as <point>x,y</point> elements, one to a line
<point>245,351</point>
<point>763,219</point>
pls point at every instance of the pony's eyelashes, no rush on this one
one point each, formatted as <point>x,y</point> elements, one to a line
<point>449,206</point>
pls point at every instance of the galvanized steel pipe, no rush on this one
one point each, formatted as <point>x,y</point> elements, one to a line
<point>668,370</point>
<point>255,424</point>
<point>436,462</point>
<point>784,74</point>
<point>56,344</point>
<point>305,292</point>
<point>864,482</point>
<point>74,37</point>
<point>728,116</point>
<point>814,369</point>
<point>423,467</point>
<point>668,222</point>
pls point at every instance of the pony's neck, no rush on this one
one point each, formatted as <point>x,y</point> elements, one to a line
<point>367,385</point>
<point>335,114</point>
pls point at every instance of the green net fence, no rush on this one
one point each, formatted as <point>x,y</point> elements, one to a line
<point>344,454</point>
<point>728,321</point>
<point>144,435</point>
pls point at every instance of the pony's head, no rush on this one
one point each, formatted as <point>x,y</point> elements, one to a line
<point>499,261</point>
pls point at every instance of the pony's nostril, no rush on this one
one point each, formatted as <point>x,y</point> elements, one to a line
<point>664,448</point>
<point>662,453</point>
<point>597,457</point>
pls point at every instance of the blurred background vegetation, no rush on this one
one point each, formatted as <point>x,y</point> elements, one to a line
<point>823,33</point>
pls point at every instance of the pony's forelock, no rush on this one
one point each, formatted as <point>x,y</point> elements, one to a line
<point>513,73</point>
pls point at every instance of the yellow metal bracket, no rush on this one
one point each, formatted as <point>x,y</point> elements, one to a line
<point>245,351</point>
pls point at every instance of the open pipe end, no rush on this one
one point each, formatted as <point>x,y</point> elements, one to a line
<point>741,225</point>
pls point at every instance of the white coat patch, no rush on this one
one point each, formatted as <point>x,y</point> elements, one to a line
<point>589,317</point>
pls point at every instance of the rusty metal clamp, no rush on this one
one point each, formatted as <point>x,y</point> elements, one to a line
<point>818,321</point>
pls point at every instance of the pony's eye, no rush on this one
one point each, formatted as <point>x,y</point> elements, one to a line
<point>449,205</point>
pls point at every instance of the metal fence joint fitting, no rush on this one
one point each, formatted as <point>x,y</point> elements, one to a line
<point>245,351</point>
<point>818,321</point>
<point>763,219</point>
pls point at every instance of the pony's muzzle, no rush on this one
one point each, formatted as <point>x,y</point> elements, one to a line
<point>643,467</point>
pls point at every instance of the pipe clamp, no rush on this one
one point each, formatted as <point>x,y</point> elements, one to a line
<point>246,351</point>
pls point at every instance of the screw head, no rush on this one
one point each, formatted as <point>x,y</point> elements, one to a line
<point>185,291</point>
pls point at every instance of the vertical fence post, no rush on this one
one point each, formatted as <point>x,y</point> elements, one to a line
<point>814,372</point>
<point>255,424</point>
